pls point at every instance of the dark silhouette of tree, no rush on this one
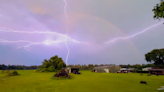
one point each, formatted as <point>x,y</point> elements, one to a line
<point>156,56</point>
<point>159,10</point>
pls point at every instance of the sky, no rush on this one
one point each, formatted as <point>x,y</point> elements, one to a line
<point>91,23</point>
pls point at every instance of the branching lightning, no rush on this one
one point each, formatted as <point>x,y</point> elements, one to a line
<point>30,43</point>
<point>123,38</point>
<point>39,32</point>
<point>47,42</point>
<point>65,12</point>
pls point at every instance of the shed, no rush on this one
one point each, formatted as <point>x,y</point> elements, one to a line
<point>159,71</point>
<point>107,69</point>
<point>67,69</point>
<point>146,68</point>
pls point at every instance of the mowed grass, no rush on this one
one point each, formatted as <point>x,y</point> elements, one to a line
<point>30,81</point>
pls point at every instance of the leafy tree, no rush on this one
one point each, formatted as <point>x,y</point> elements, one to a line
<point>51,69</point>
<point>159,10</point>
<point>53,64</point>
<point>156,56</point>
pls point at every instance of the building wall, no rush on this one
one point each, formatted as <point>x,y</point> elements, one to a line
<point>68,70</point>
<point>101,70</point>
<point>146,69</point>
<point>112,69</point>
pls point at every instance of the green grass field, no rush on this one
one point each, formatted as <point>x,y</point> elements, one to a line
<point>29,81</point>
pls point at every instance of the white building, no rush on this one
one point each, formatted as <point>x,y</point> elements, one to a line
<point>127,69</point>
<point>146,69</point>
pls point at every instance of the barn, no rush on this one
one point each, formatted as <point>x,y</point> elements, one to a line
<point>107,69</point>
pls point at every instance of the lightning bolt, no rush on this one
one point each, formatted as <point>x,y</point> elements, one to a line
<point>47,42</point>
<point>123,38</point>
<point>30,42</point>
<point>65,12</point>
<point>39,32</point>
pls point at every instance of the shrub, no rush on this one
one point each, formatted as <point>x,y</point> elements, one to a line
<point>38,70</point>
<point>14,73</point>
<point>43,69</point>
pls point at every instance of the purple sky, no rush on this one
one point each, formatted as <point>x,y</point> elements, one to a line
<point>91,21</point>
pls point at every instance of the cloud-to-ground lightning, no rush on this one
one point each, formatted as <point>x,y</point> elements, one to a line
<point>65,12</point>
<point>123,38</point>
<point>65,38</point>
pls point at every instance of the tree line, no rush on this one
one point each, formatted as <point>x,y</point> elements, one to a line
<point>81,67</point>
<point>17,67</point>
<point>156,57</point>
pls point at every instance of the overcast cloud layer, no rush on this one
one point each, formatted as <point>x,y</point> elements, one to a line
<point>91,21</point>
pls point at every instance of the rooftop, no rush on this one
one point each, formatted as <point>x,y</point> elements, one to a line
<point>104,66</point>
<point>157,69</point>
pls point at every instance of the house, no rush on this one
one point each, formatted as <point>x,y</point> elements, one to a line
<point>127,69</point>
<point>107,69</point>
<point>159,71</point>
<point>146,68</point>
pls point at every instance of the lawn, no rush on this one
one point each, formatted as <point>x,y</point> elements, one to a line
<point>29,81</point>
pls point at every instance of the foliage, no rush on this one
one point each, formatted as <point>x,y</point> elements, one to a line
<point>16,67</point>
<point>53,64</point>
<point>14,73</point>
<point>159,10</point>
<point>51,69</point>
<point>156,56</point>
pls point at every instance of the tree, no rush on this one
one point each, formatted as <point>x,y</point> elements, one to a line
<point>156,56</point>
<point>53,64</point>
<point>159,10</point>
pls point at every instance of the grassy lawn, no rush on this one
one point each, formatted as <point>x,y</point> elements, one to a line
<point>29,81</point>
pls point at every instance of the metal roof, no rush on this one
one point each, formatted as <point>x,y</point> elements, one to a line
<point>156,69</point>
<point>104,66</point>
<point>147,68</point>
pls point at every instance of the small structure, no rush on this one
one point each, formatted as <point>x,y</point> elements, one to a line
<point>67,69</point>
<point>123,70</point>
<point>75,70</point>
<point>146,68</point>
<point>130,69</point>
<point>107,69</point>
<point>157,71</point>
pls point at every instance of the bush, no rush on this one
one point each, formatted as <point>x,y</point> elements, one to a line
<point>43,69</point>
<point>14,73</point>
<point>51,69</point>
<point>38,70</point>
